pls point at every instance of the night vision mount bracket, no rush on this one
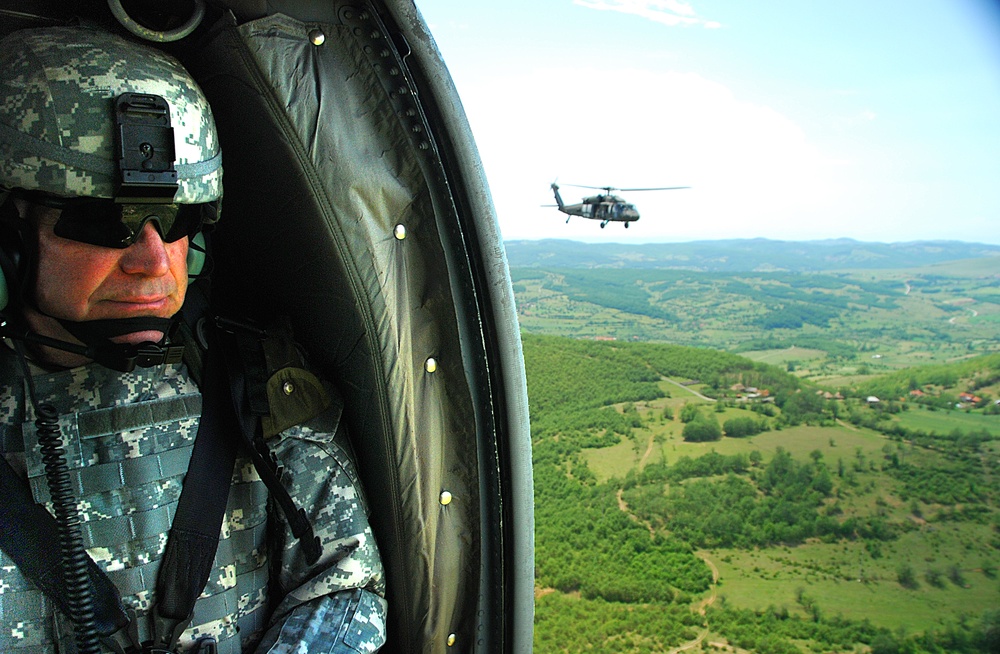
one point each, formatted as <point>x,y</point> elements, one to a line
<point>145,143</point>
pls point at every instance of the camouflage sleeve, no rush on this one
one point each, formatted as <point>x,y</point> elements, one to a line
<point>340,598</point>
<point>343,623</point>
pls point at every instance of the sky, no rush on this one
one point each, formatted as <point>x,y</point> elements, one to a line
<point>877,120</point>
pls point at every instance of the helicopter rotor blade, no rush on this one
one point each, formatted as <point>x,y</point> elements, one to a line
<point>609,189</point>
<point>660,188</point>
<point>599,188</point>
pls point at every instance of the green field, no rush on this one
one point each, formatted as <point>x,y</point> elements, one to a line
<point>846,581</point>
<point>944,422</point>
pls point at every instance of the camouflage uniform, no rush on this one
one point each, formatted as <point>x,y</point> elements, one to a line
<point>128,438</point>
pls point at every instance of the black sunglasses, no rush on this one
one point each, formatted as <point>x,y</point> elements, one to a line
<point>110,224</point>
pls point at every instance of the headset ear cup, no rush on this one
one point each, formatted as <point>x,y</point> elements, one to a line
<point>4,293</point>
<point>197,253</point>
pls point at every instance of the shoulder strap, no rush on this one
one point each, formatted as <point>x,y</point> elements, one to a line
<point>194,534</point>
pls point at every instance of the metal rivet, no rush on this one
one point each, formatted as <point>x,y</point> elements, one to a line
<point>445,498</point>
<point>431,364</point>
<point>399,232</point>
<point>288,387</point>
<point>317,37</point>
<point>451,639</point>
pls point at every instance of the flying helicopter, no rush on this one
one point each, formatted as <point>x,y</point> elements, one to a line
<point>605,207</point>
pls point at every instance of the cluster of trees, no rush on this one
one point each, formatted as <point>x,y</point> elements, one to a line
<point>794,316</point>
<point>700,427</point>
<point>948,485</point>
<point>707,465</point>
<point>770,631</point>
<point>571,384</point>
<point>584,542</point>
<point>743,426</point>
<point>612,289</point>
<point>780,502</point>
<point>568,624</point>
<point>800,407</point>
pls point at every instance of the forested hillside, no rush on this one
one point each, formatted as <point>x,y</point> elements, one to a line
<point>833,325</point>
<point>738,255</point>
<point>692,497</point>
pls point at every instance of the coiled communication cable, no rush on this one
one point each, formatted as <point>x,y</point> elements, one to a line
<point>79,593</point>
<point>74,556</point>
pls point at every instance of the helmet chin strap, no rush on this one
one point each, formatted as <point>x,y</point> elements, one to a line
<point>93,332</point>
<point>96,336</point>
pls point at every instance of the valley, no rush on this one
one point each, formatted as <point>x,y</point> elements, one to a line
<point>749,493</point>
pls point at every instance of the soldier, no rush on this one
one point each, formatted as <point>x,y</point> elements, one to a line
<point>109,172</point>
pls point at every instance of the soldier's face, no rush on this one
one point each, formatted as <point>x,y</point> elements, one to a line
<point>78,281</point>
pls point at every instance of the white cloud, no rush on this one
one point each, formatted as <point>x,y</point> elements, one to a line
<point>667,12</point>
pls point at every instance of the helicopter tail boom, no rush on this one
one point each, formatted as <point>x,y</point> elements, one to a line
<point>559,200</point>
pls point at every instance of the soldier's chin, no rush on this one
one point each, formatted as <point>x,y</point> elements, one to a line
<point>148,336</point>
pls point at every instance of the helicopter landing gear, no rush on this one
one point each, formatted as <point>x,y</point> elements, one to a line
<point>604,224</point>
<point>626,225</point>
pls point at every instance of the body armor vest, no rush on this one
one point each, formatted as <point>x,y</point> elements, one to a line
<point>128,440</point>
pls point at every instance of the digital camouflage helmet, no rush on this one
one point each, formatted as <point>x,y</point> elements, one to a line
<point>57,127</point>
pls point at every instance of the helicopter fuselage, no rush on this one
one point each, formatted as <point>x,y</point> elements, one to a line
<point>605,208</point>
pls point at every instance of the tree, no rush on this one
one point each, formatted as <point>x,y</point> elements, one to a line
<point>906,577</point>
<point>702,430</point>
<point>690,412</point>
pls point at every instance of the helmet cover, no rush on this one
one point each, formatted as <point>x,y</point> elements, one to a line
<point>57,88</point>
